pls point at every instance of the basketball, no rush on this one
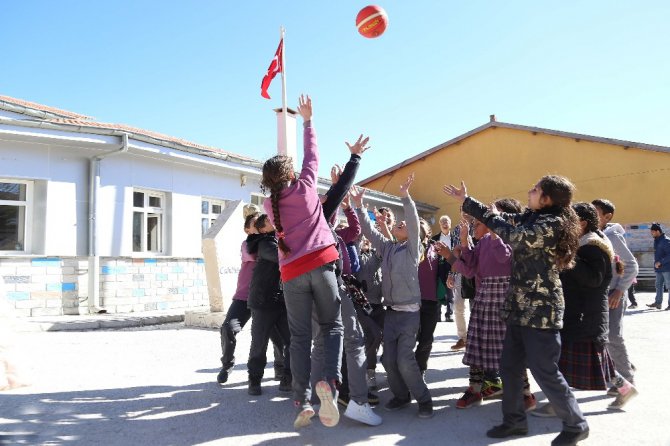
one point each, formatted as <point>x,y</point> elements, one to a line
<point>372,21</point>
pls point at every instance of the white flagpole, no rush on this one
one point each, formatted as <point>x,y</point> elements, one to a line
<point>282,32</point>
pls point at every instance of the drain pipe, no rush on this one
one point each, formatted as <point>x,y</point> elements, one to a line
<point>94,305</point>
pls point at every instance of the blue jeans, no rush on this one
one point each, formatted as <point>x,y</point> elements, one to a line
<point>316,288</point>
<point>661,278</point>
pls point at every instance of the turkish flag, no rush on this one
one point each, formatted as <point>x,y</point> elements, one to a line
<point>274,68</point>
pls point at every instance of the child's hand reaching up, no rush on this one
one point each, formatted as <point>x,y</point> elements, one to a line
<point>305,107</point>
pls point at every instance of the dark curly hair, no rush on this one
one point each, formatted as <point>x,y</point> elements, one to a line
<point>509,205</point>
<point>588,213</point>
<point>277,172</point>
<point>560,190</point>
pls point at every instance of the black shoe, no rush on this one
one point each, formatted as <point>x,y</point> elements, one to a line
<point>504,431</point>
<point>222,377</point>
<point>279,373</point>
<point>667,308</point>
<point>448,319</point>
<point>254,387</point>
<point>654,305</point>
<point>285,385</point>
<point>426,409</point>
<point>570,438</point>
<point>343,399</point>
<point>373,399</point>
<point>397,403</point>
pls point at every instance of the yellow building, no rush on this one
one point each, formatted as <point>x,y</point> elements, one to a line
<point>505,160</point>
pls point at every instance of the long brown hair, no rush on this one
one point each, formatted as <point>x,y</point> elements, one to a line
<point>560,190</point>
<point>277,171</point>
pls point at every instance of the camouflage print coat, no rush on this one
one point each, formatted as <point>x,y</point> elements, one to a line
<point>535,296</point>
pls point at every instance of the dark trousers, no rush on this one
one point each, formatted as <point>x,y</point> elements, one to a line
<point>631,295</point>
<point>429,317</point>
<point>373,328</point>
<point>236,318</point>
<point>540,351</point>
<point>263,324</point>
<point>449,304</point>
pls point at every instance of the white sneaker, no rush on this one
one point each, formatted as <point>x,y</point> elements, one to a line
<point>372,379</point>
<point>363,413</point>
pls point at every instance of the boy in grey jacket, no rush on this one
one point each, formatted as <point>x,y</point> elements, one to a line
<point>400,288</point>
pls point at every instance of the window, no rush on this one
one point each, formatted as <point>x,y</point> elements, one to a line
<point>148,221</point>
<point>257,200</point>
<point>15,201</point>
<point>210,210</point>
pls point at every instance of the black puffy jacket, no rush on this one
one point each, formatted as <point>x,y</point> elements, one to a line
<point>266,289</point>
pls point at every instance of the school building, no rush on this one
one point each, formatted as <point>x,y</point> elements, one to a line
<point>505,160</point>
<point>106,217</point>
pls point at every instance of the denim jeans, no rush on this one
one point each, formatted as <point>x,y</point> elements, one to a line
<point>354,379</point>
<point>662,278</point>
<point>316,288</point>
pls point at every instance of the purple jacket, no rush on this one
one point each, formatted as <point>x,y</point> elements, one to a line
<point>246,271</point>
<point>428,275</point>
<point>305,228</point>
<point>489,258</point>
<point>348,235</point>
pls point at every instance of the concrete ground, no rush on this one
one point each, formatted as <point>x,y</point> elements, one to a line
<point>155,385</point>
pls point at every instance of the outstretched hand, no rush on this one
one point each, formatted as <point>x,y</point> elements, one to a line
<point>305,107</point>
<point>357,194</point>
<point>442,250</point>
<point>404,188</point>
<point>453,191</point>
<point>335,173</point>
<point>359,146</point>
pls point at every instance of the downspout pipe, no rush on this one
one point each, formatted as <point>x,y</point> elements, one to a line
<point>94,305</point>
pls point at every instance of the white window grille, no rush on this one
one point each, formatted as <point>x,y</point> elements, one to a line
<point>16,198</point>
<point>148,211</point>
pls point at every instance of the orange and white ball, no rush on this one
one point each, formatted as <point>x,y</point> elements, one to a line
<point>372,21</point>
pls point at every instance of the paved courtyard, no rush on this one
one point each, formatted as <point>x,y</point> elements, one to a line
<point>155,385</point>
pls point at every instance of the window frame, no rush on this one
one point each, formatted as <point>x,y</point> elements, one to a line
<point>149,212</point>
<point>28,204</point>
<point>210,216</point>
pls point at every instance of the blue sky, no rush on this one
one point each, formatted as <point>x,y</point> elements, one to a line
<point>193,69</point>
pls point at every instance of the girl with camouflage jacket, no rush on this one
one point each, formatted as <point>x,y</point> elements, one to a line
<point>544,240</point>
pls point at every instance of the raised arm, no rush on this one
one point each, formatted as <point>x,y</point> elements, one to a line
<point>377,240</point>
<point>411,218</point>
<point>310,160</point>
<point>345,179</point>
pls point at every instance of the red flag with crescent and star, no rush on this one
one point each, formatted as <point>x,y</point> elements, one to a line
<point>274,68</point>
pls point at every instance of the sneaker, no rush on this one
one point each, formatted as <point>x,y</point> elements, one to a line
<point>373,399</point>
<point>460,344</point>
<point>397,403</point>
<point>363,413</point>
<point>632,306</point>
<point>544,411</point>
<point>222,377</point>
<point>343,399</point>
<point>529,402</point>
<point>286,383</point>
<point>654,305</point>
<point>504,431</point>
<point>470,398</point>
<point>569,438</point>
<point>621,400</point>
<point>426,409</point>
<point>612,391</point>
<point>491,389</point>
<point>304,417</point>
<point>254,387</point>
<point>448,319</point>
<point>372,379</point>
<point>329,414</point>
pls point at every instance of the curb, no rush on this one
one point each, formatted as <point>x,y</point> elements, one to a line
<point>108,323</point>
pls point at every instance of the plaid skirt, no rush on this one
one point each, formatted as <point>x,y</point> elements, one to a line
<point>586,365</point>
<point>486,330</point>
